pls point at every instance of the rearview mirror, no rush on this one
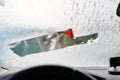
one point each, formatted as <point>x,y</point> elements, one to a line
<point>118,10</point>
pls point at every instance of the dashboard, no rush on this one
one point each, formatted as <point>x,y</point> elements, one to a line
<point>55,72</point>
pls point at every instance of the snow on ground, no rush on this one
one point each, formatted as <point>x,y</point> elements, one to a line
<point>23,17</point>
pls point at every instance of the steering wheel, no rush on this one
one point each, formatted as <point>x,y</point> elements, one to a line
<point>51,72</point>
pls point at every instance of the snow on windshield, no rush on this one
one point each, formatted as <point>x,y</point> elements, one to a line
<point>2,3</point>
<point>19,18</point>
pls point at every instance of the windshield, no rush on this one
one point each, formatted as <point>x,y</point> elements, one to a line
<point>23,20</point>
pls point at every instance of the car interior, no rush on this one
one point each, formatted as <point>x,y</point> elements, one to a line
<point>59,39</point>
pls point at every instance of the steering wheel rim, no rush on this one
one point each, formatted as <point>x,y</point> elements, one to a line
<point>51,72</point>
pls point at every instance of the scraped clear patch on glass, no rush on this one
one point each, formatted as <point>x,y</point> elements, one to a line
<point>49,42</point>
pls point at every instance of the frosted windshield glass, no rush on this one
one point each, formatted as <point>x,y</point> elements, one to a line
<point>25,19</point>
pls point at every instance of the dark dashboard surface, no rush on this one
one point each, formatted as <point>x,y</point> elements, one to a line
<point>102,72</point>
<point>99,73</point>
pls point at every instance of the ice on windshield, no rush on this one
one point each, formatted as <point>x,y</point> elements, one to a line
<point>21,18</point>
<point>2,3</point>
